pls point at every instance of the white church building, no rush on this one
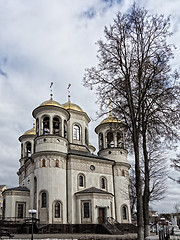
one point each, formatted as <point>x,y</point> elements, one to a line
<point>62,178</point>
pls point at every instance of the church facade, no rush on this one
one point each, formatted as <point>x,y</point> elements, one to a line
<point>62,178</point>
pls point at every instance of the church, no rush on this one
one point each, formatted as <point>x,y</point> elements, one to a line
<point>62,178</point>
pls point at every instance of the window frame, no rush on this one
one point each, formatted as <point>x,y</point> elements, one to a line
<point>124,210</point>
<point>101,141</point>
<point>43,199</point>
<point>110,144</point>
<point>28,149</point>
<point>46,130</point>
<point>57,210</point>
<point>56,130</point>
<point>76,132</point>
<point>104,183</point>
<point>82,181</point>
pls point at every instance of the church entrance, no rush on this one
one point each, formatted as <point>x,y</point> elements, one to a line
<point>102,215</point>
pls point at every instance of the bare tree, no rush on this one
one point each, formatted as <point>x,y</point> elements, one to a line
<point>176,165</point>
<point>134,72</point>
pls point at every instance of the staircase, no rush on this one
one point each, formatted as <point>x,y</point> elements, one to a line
<point>115,227</point>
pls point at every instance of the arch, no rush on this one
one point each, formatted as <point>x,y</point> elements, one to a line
<point>110,139</point>
<point>120,139</point>
<point>86,136</point>
<point>65,128</point>
<point>57,126</point>
<point>124,211</point>
<point>57,163</point>
<point>43,163</point>
<point>28,149</point>
<point>46,125</point>
<point>3,208</point>
<point>101,142</point>
<point>43,200</point>
<point>103,183</point>
<point>81,180</point>
<point>57,210</point>
<point>76,132</point>
<point>37,126</point>
<point>123,172</point>
<point>35,193</point>
<point>43,203</point>
<point>21,150</point>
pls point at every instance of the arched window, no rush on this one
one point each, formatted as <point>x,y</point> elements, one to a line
<point>81,181</point>
<point>86,136</point>
<point>37,127</point>
<point>103,183</point>
<point>123,172</point>
<point>57,210</point>
<point>65,128</point>
<point>28,149</point>
<point>46,129</point>
<point>101,141</point>
<point>124,212</point>
<point>43,163</point>
<point>43,200</point>
<point>56,126</point>
<point>110,140</point>
<point>21,149</point>
<point>120,140</point>
<point>76,132</point>
<point>35,192</point>
<point>57,163</point>
<point>3,209</point>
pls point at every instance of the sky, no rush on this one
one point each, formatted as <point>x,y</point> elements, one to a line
<point>44,41</point>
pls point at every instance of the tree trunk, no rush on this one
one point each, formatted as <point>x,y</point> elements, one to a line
<point>146,180</point>
<point>138,187</point>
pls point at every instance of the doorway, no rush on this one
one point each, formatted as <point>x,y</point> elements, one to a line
<point>102,215</point>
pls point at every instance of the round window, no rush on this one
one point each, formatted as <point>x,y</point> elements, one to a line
<point>92,167</point>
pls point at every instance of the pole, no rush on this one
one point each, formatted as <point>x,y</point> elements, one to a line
<point>32,228</point>
<point>32,211</point>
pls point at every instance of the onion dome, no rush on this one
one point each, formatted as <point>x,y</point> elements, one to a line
<point>32,131</point>
<point>69,105</point>
<point>50,102</point>
<point>110,119</point>
<point>72,106</point>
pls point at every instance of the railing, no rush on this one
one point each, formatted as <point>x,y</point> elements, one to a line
<point>111,220</point>
<point>18,220</point>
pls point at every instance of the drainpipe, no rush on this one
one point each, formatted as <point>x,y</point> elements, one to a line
<point>67,188</point>
<point>114,191</point>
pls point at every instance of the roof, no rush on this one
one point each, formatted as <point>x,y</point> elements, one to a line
<point>32,131</point>
<point>93,190</point>
<point>51,103</point>
<point>88,154</point>
<point>20,188</point>
<point>2,186</point>
<point>72,106</point>
<point>111,119</point>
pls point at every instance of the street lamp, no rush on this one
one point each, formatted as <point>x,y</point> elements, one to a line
<point>32,211</point>
<point>155,217</point>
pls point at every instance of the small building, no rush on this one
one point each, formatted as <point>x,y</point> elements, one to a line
<point>62,178</point>
<point>2,188</point>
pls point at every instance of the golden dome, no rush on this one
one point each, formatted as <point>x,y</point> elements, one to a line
<point>110,119</point>
<point>72,106</point>
<point>32,131</point>
<point>50,103</point>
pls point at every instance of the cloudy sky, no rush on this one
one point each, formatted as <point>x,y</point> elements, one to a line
<point>54,40</point>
